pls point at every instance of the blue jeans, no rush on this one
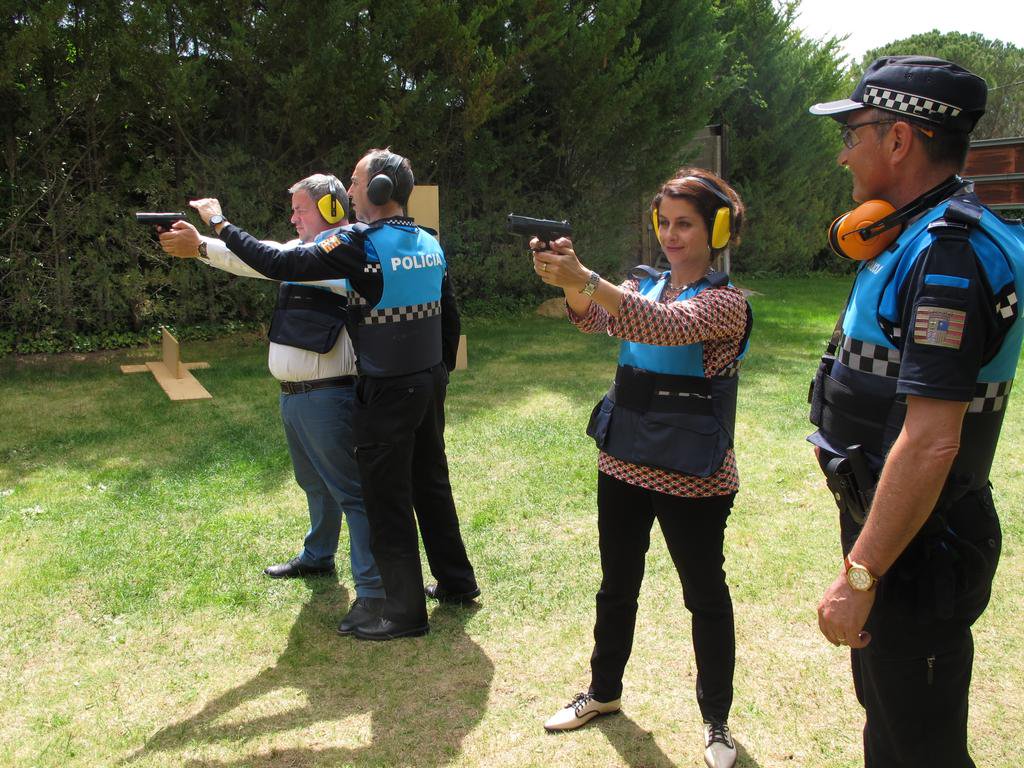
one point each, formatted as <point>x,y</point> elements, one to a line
<point>318,425</point>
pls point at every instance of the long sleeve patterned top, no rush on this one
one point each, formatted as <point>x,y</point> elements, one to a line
<point>716,317</point>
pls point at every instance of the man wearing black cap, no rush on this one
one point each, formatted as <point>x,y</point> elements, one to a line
<point>909,400</point>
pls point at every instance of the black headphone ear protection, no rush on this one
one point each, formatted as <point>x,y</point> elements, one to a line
<point>381,188</point>
<point>871,227</point>
<point>720,229</point>
<point>332,206</point>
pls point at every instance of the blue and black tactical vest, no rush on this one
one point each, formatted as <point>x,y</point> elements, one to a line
<point>662,410</point>
<point>402,333</point>
<point>307,316</point>
<point>853,397</point>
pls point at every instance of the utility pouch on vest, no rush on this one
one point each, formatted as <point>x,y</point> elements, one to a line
<point>307,318</point>
<point>601,419</point>
<point>815,395</point>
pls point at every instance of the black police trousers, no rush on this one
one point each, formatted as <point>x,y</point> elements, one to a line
<point>398,423</point>
<point>914,676</point>
<point>694,531</point>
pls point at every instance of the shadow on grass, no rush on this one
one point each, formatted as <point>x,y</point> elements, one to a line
<point>634,745</point>
<point>638,749</point>
<point>422,696</point>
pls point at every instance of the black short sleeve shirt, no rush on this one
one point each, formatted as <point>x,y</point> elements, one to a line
<point>948,320</point>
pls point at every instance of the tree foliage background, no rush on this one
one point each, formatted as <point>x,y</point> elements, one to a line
<point>570,109</point>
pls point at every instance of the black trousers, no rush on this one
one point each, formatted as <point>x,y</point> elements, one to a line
<point>913,678</point>
<point>694,530</point>
<point>399,435</point>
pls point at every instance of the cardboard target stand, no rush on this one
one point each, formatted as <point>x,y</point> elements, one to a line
<point>171,374</point>
<point>425,208</point>
<point>175,377</point>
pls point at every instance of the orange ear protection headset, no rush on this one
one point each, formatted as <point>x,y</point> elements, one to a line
<point>332,206</point>
<point>720,229</point>
<point>871,227</point>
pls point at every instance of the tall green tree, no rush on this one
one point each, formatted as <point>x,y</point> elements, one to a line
<point>559,109</point>
<point>781,158</point>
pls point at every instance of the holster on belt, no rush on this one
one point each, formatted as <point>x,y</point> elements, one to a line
<point>852,483</point>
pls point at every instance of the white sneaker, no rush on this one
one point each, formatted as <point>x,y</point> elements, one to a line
<point>719,748</point>
<point>583,708</point>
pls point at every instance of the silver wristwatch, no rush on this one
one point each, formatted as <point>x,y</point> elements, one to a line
<point>591,285</point>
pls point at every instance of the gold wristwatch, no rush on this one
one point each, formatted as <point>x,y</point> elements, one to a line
<point>859,577</point>
<point>202,250</point>
<point>591,285</point>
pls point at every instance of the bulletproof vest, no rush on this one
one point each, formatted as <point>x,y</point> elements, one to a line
<point>853,397</point>
<point>309,317</point>
<point>662,410</point>
<point>401,333</point>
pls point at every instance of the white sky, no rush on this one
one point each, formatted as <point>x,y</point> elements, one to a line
<point>871,23</point>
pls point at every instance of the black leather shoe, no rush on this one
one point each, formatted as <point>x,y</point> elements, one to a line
<point>295,568</point>
<point>363,611</point>
<point>383,628</point>
<point>442,595</point>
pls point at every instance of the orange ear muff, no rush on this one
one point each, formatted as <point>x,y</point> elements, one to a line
<point>851,236</point>
<point>654,221</point>
<point>721,229</point>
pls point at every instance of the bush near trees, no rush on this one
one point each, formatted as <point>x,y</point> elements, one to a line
<point>569,109</point>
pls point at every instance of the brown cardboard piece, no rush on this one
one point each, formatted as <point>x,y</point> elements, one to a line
<point>172,374</point>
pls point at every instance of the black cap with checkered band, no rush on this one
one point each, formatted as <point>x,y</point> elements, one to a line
<point>932,90</point>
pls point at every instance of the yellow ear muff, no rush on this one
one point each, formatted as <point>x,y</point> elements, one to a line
<point>331,208</point>
<point>654,221</point>
<point>721,229</point>
<point>846,239</point>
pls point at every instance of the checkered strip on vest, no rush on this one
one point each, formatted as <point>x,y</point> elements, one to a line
<point>870,358</point>
<point>1007,306</point>
<point>990,396</point>
<point>356,300</point>
<point>919,106</point>
<point>372,268</point>
<point>402,314</point>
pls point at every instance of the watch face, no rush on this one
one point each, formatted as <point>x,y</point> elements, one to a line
<point>859,578</point>
<point>216,219</point>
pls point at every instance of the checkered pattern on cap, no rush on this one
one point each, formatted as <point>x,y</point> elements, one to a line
<point>907,103</point>
<point>402,314</point>
<point>870,358</point>
<point>1007,306</point>
<point>990,396</point>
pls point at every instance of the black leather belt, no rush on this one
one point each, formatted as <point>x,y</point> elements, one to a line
<point>299,387</point>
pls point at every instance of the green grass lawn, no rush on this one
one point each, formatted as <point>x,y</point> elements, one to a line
<point>136,627</point>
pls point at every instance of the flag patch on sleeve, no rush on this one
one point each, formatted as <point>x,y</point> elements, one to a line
<point>330,243</point>
<point>939,326</point>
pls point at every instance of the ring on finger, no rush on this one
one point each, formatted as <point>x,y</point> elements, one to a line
<point>543,266</point>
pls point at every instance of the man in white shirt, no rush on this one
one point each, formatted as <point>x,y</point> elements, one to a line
<point>311,355</point>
